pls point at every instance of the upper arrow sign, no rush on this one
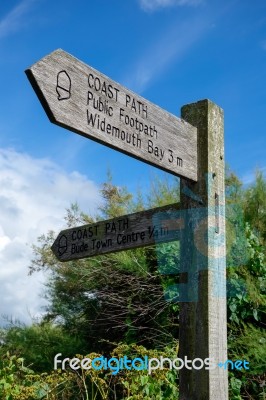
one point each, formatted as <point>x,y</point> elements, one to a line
<point>79,98</point>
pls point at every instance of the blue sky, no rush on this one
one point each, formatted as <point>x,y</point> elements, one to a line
<point>172,52</point>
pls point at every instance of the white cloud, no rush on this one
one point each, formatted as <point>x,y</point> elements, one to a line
<point>152,5</point>
<point>14,19</point>
<point>34,195</point>
<point>170,48</point>
<point>250,177</point>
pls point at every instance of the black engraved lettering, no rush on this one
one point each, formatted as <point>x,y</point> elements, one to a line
<point>179,162</point>
<point>89,80</point>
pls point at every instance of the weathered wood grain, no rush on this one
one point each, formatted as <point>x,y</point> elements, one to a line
<point>157,225</point>
<point>79,98</point>
<point>203,321</point>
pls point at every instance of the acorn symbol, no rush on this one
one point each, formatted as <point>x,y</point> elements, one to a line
<point>63,87</point>
<point>62,245</point>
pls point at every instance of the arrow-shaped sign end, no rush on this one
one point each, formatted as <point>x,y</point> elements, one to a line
<point>34,83</point>
<point>60,246</point>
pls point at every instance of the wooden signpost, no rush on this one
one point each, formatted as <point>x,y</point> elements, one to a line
<point>158,225</point>
<point>79,98</point>
<point>203,322</point>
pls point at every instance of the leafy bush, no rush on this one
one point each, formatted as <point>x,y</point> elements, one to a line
<point>38,343</point>
<point>20,383</point>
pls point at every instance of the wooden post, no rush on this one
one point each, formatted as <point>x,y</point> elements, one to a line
<point>203,332</point>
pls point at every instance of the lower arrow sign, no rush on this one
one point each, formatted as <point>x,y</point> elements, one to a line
<point>157,225</point>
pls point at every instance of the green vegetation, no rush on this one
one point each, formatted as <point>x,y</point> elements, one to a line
<point>116,305</point>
